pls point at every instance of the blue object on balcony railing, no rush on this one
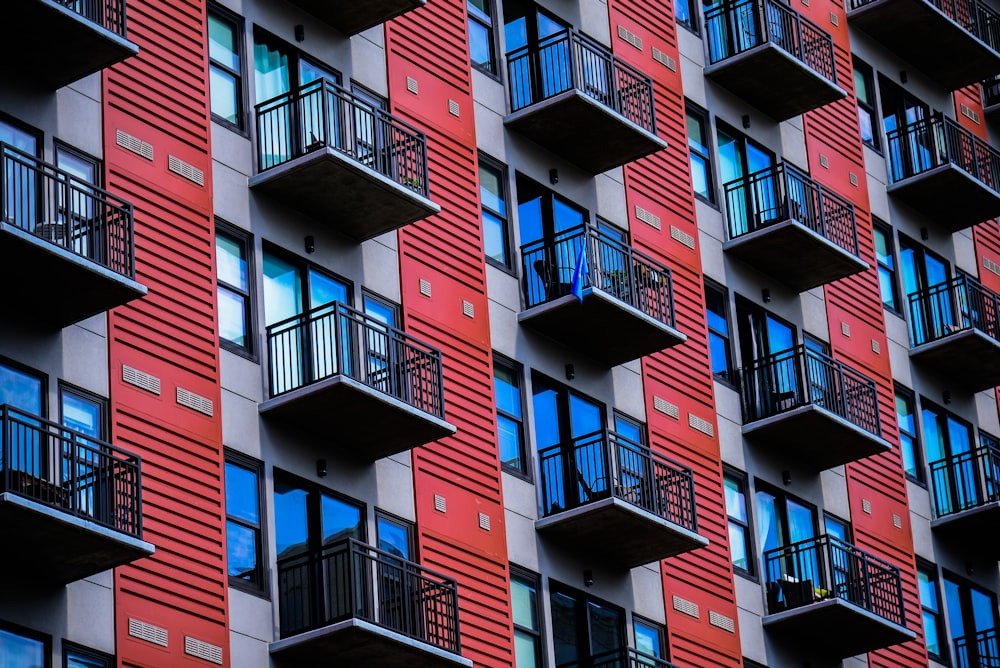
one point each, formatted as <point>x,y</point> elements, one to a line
<point>732,28</point>
<point>321,114</point>
<point>568,61</point>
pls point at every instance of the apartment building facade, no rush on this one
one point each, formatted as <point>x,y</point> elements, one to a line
<point>593,333</point>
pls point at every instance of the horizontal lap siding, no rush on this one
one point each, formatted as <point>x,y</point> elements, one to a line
<point>857,337</point>
<point>661,184</point>
<point>160,97</point>
<point>429,46</point>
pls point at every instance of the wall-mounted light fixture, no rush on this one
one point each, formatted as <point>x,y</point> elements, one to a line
<point>570,372</point>
<point>310,244</point>
<point>765,295</point>
<point>300,32</point>
<point>553,176</point>
<point>321,468</point>
<point>588,578</point>
<point>786,477</point>
<point>746,121</point>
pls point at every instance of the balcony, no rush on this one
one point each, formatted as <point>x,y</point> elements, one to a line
<point>782,223</point>
<point>350,604</point>
<point>57,42</point>
<point>980,650</point>
<point>955,331</point>
<point>386,385</point>
<point>811,409</point>
<point>945,172</point>
<point>590,292</point>
<point>66,246</point>
<point>569,94</point>
<point>70,505</point>
<point>617,501</point>
<point>771,56</point>
<point>351,18</point>
<point>966,498</point>
<point>954,42</point>
<point>823,584</point>
<point>625,657</point>
<point>332,156</point>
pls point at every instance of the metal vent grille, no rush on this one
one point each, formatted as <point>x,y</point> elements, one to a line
<point>866,506</point>
<point>647,217</point>
<point>876,347</point>
<point>185,169</point>
<point>411,85</point>
<point>721,621</point>
<point>453,108</point>
<point>195,402</point>
<point>854,179</point>
<point>845,329</point>
<point>834,19</point>
<point>701,424</point>
<point>484,521</point>
<point>202,650</point>
<point>667,408</point>
<point>425,287</point>
<point>824,161</point>
<point>630,37</point>
<point>134,144</point>
<point>970,114</point>
<point>664,59</point>
<point>140,379</point>
<point>681,236</point>
<point>147,632</point>
<point>440,504</point>
<point>468,310</point>
<point>897,521</point>
<point>991,266</point>
<point>689,608</point>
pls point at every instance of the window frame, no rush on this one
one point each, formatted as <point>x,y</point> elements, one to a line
<point>69,647</point>
<point>693,111</point>
<point>505,227</point>
<point>306,269</point>
<point>749,540</point>
<point>931,571</point>
<point>692,24</point>
<point>239,30</point>
<point>532,580</point>
<point>859,67</point>
<point>245,239</point>
<point>314,501</point>
<point>491,32</point>
<point>919,465</point>
<point>582,601</point>
<point>101,402</point>
<point>781,498</point>
<point>42,378</point>
<point>726,337</point>
<point>408,526</point>
<point>517,372</point>
<point>891,272</point>
<point>660,629</point>
<point>262,586</point>
<point>31,634</point>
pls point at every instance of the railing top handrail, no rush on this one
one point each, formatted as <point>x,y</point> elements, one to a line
<point>572,35</point>
<point>354,545</point>
<point>970,282</point>
<point>938,118</point>
<point>345,94</point>
<point>62,174</point>
<point>727,6</point>
<point>826,541</point>
<point>611,438</point>
<point>790,170</point>
<point>8,412</point>
<point>589,230</point>
<point>339,308</point>
<point>983,451</point>
<point>802,351</point>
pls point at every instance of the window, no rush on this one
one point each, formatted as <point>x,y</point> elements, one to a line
<point>900,109</point>
<point>685,13</point>
<point>701,160</point>
<point>719,345</point>
<point>650,640</point>
<point>76,204</point>
<point>864,88</point>
<point>482,35</point>
<point>945,437</point>
<point>494,197</point>
<point>225,66</point>
<point>20,203</point>
<point>527,625</point>
<point>507,386</point>
<point>83,412</point>
<point>930,604</point>
<point>21,648</point>
<point>234,282</point>
<point>920,268</point>
<point>308,518</point>
<point>739,157</point>
<point>21,390</point>
<point>740,545</point>
<point>528,26</point>
<point>76,656</point>
<point>244,535</point>
<point>782,519</point>
<point>972,620</point>
<point>280,67</point>
<point>761,333</point>
<point>394,535</point>
<point>886,266</point>
<point>583,626</point>
<point>908,447</point>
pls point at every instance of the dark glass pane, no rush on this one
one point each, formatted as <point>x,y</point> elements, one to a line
<point>546,418</point>
<point>494,238</point>
<point>242,493</point>
<point>340,520</point>
<point>509,434</point>
<point>393,537</point>
<point>564,628</point>
<point>480,45</point>
<point>19,651</point>
<point>222,45</point>
<point>241,546</point>
<point>648,639</point>
<point>232,316</point>
<point>524,597</point>
<point>291,519</point>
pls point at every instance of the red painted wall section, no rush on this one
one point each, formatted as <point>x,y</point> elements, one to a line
<point>160,97</point>
<point>969,110</point>
<point>430,46</point>
<point>660,185</point>
<point>857,337</point>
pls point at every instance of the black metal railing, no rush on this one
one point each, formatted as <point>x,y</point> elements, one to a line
<point>976,17</point>
<point>935,141</point>
<point>72,472</point>
<point>604,464</point>
<point>351,580</point>
<point>109,14</point>
<point>735,27</point>
<point>980,650</point>
<point>991,92</point>
<point>549,265</point>
<point>335,339</point>
<point>966,480</point>
<point>567,61</point>
<point>783,192</point>
<point>798,377</point>
<point>826,567</point>
<point>67,211</point>
<point>624,657</point>
<point>954,306</point>
<point>322,114</point>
